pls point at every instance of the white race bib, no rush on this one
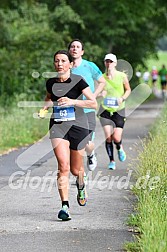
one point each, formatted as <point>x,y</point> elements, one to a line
<point>62,114</point>
<point>111,102</point>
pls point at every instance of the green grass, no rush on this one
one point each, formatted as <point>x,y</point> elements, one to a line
<point>162,59</point>
<point>150,219</point>
<point>19,128</point>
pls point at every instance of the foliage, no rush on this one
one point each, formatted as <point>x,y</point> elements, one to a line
<point>129,29</point>
<point>162,43</point>
<point>32,30</point>
<point>29,42</point>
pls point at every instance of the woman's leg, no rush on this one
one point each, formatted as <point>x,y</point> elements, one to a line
<point>117,137</point>
<point>77,169</point>
<point>108,132</point>
<point>62,153</point>
<point>77,164</point>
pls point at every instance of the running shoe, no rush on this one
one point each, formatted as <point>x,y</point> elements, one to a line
<point>91,162</point>
<point>64,214</point>
<point>112,165</point>
<point>82,195</point>
<point>121,155</point>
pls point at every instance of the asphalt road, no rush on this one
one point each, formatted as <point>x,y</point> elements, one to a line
<point>30,201</point>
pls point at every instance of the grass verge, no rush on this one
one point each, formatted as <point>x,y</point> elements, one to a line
<point>150,220</point>
<point>19,128</point>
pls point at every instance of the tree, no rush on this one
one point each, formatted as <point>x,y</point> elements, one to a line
<point>32,30</point>
<point>129,29</point>
<point>29,42</point>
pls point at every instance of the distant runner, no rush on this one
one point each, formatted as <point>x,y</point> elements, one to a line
<point>112,108</point>
<point>163,80</point>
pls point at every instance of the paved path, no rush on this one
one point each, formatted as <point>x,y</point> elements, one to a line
<point>30,202</point>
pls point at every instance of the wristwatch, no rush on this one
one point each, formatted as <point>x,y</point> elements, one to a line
<point>123,99</point>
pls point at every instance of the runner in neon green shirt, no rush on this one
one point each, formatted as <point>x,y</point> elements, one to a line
<point>112,108</point>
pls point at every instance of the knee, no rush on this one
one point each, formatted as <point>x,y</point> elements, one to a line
<point>109,139</point>
<point>74,172</point>
<point>77,171</point>
<point>117,139</point>
<point>63,169</point>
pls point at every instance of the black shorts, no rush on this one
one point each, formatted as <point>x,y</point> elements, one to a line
<point>163,83</point>
<point>91,117</point>
<point>78,137</point>
<point>117,119</point>
<point>154,80</point>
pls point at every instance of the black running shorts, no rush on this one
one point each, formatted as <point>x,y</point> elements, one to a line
<point>117,119</point>
<point>77,136</point>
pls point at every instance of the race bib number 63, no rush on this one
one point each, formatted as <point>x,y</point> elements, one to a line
<point>62,114</point>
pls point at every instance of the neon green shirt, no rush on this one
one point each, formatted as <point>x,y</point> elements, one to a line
<point>115,88</point>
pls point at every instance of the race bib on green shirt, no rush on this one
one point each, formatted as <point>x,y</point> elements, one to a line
<point>111,102</point>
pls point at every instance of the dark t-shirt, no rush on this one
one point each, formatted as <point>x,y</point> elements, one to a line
<point>71,88</point>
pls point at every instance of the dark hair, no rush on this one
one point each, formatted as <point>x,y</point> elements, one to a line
<point>63,52</point>
<point>74,41</point>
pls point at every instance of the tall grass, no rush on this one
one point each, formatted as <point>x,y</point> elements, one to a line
<point>19,128</point>
<point>151,210</point>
